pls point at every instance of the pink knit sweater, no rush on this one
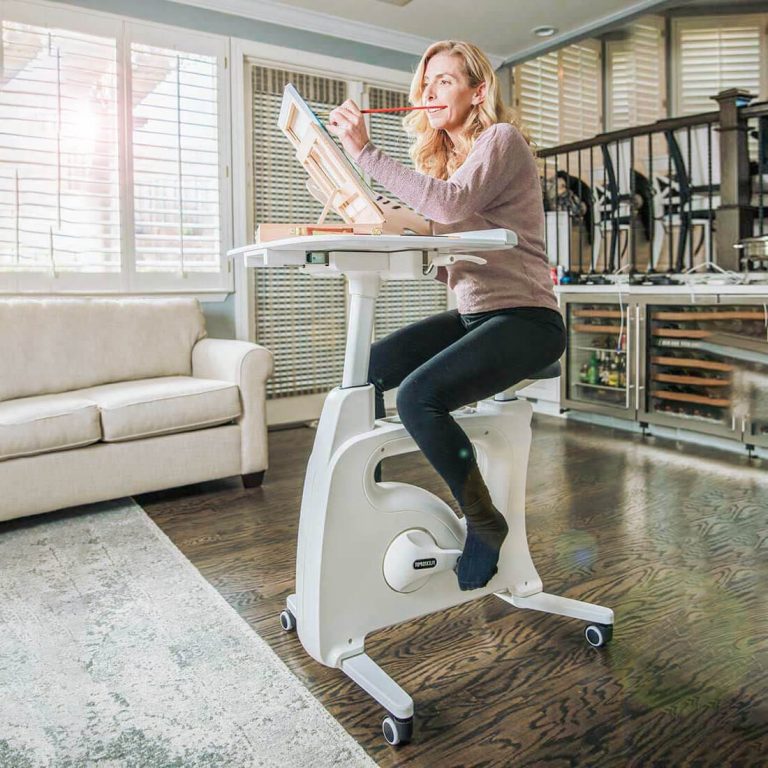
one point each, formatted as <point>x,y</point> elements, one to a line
<point>496,187</point>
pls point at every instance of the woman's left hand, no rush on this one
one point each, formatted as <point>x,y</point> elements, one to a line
<point>347,122</point>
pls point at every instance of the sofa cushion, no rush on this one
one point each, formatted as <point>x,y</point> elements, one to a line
<point>64,344</point>
<point>159,406</point>
<point>46,423</point>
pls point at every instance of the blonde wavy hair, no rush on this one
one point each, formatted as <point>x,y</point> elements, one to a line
<point>432,151</point>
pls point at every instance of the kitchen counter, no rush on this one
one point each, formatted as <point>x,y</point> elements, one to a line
<point>708,288</point>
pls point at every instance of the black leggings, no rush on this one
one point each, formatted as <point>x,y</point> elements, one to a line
<point>449,360</point>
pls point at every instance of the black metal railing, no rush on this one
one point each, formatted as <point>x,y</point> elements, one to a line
<point>646,200</point>
<point>756,117</point>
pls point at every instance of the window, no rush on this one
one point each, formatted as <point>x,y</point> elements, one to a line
<point>558,95</point>
<point>713,54</point>
<point>175,160</point>
<point>86,205</point>
<point>538,98</point>
<point>635,73</point>
<point>580,89</point>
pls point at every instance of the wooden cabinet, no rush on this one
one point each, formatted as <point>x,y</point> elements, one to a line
<point>696,363</point>
<point>695,373</point>
<point>598,375</point>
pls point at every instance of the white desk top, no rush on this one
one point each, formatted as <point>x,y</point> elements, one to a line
<point>486,240</point>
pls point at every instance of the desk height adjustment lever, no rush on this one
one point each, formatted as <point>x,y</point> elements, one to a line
<point>432,259</point>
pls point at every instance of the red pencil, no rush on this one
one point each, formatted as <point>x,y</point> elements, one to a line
<point>398,109</point>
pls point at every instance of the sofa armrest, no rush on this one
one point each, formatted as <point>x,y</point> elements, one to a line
<point>249,366</point>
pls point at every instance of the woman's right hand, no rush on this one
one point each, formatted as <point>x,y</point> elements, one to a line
<point>347,122</point>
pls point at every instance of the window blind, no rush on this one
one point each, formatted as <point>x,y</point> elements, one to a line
<point>580,81</point>
<point>175,145</point>
<point>302,319</point>
<point>113,161</point>
<point>716,54</point>
<point>621,88</point>
<point>59,186</point>
<point>558,94</point>
<point>401,302</point>
<point>538,98</point>
<point>649,71</point>
<point>636,76</point>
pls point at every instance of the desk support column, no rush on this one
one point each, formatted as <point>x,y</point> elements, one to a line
<point>363,289</point>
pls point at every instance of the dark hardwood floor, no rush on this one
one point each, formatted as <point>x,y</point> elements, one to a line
<point>673,538</point>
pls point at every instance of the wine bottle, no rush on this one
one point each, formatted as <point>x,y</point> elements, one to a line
<point>613,375</point>
<point>593,371</point>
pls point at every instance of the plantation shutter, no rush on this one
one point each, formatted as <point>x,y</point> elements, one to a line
<point>579,91</point>
<point>636,80</point>
<point>621,89</point>
<point>649,77</point>
<point>401,302</point>
<point>175,143</point>
<point>302,319</point>
<point>715,54</point>
<point>558,94</point>
<point>59,186</point>
<point>538,98</point>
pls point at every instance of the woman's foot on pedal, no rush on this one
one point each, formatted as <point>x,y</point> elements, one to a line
<point>479,561</point>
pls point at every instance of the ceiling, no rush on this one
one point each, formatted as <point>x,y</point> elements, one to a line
<point>502,28</point>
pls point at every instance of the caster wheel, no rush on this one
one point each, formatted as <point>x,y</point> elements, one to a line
<point>598,635</point>
<point>397,731</point>
<point>287,620</point>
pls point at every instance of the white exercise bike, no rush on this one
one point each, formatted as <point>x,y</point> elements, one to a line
<point>370,554</point>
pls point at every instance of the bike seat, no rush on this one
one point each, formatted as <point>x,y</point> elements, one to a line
<point>552,371</point>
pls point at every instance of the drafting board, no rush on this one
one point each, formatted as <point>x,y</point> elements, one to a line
<point>334,181</point>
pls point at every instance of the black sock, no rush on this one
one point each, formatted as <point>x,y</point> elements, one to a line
<point>486,531</point>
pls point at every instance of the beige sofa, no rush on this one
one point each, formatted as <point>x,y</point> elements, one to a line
<point>102,398</point>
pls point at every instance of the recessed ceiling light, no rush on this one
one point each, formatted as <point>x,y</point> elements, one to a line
<point>545,31</point>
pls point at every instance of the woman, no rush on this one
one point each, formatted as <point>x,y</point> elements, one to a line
<point>475,170</point>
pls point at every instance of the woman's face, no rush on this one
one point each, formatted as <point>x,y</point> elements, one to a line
<point>445,83</point>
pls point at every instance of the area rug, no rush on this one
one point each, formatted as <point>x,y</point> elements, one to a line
<point>115,651</point>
